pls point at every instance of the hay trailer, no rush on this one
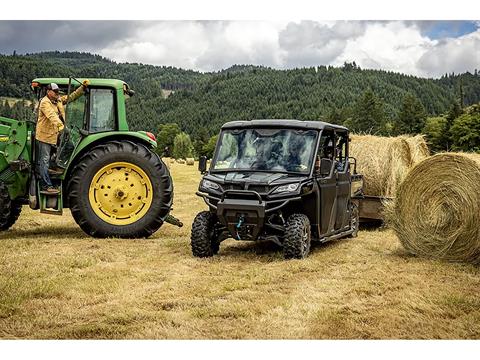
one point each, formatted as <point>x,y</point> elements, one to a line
<point>384,162</point>
<point>371,208</point>
<point>110,177</point>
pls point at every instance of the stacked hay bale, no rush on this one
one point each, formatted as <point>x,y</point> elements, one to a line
<point>418,148</point>
<point>190,161</point>
<point>385,161</point>
<point>382,161</point>
<point>436,212</point>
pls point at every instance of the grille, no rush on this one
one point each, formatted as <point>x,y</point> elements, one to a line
<point>6,175</point>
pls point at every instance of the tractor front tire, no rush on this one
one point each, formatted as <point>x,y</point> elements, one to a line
<point>120,189</point>
<point>203,240</point>
<point>298,237</point>
<point>9,209</point>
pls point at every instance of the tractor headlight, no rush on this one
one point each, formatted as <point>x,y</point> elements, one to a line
<point>207,184</point>
<point>286,188</point>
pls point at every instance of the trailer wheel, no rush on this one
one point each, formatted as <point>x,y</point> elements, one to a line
<point>120,189</point>
<point>203,240</point>
<point>298,237</point>
<point>354,220</point>
<point>9,209</point>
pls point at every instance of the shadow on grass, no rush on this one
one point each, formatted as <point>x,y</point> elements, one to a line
<point>43,232</point>
<point>266,250</point>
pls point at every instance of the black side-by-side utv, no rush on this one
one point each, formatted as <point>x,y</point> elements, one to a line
<point>286,181</point>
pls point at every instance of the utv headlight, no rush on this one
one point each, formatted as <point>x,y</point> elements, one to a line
<point>286,188</point>
<point>207,184</point>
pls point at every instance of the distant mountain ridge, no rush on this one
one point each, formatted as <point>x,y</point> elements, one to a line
<point>240,92</point>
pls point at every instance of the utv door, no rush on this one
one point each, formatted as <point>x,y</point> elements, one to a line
<point>327,184</point>
<point>343,180</point>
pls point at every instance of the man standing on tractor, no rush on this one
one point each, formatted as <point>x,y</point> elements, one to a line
<point>51,121</point>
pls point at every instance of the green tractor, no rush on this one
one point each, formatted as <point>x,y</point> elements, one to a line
<point>111,178</point>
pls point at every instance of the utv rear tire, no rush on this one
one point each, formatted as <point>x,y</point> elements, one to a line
<point>9,210</point>
<point>203,239</point>
<point>298,237</point>
<point>354,220</point>
<point>132,154</point>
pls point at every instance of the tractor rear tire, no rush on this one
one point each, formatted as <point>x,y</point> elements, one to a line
<point>203,240</point>
<point>298,237</point>
<point>9,209</point>
<point>109,166</point>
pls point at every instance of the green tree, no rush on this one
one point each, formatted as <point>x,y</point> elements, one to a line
<point>411,118</point>
<point>368,114</point>
<point>209,147</point>
<point>434,130</point>
<point>165,138</point>
<point>465,132</point>
<point>454,112</point>
<point>182,146</point>
<point>200,139</point>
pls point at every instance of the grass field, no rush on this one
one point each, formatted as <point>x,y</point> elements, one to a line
<point>57,283</point>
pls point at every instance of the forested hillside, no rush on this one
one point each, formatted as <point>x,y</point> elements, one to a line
<point>366,100</point>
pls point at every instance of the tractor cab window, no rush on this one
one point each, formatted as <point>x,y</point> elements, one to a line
<point>341,150</point>
<point>75,113</point>
<point>102,110</point>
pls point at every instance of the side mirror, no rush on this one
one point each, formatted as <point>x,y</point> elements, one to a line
<point>325,167</point>
<point>202,164</point>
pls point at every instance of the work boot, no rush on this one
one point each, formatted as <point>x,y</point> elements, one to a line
<point>55,171</point>
<point>50,191</point>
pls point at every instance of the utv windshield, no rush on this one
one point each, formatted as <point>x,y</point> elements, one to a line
<point>269,150</point>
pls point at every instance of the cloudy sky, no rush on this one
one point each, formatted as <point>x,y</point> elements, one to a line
<point>422,48</point>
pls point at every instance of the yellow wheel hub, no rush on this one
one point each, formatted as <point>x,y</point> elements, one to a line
<point>120,193</point>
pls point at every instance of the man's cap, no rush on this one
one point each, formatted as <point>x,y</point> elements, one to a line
<point>53,86</point>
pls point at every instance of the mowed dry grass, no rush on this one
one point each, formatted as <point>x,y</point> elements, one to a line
<point>57,283</point>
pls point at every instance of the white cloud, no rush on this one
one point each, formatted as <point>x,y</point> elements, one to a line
<point>205,46</point>
<point>390,46</point>
<point>401,46</point>
<point>452,55</point>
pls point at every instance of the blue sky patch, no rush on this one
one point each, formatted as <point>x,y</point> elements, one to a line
<point>447,29</point>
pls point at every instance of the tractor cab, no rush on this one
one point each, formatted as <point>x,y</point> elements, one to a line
<point>99,109</point>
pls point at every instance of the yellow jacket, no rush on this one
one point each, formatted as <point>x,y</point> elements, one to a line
<point>51,116</point>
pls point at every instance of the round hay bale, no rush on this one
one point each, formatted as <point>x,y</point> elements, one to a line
<point>180,161</point>
<point>383,161</point>
<point>436,212</point>
<point>190,161</point>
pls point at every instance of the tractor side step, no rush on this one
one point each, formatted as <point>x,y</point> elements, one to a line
<point>51,203</point>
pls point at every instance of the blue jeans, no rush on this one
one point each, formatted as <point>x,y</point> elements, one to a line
<point>43,163</point>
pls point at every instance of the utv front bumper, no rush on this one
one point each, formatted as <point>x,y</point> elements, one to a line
<point>243,212</point>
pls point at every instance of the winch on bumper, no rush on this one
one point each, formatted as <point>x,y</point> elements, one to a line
<point>243,218</point>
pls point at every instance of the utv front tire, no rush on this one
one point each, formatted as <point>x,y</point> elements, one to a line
<point>9,209</point>
<point>120,189</point>
<point>203,239</point>
<point>298,237</point>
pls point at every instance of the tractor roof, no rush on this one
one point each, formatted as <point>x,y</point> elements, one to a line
<point>281,123</point>
<point>117,84</point>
